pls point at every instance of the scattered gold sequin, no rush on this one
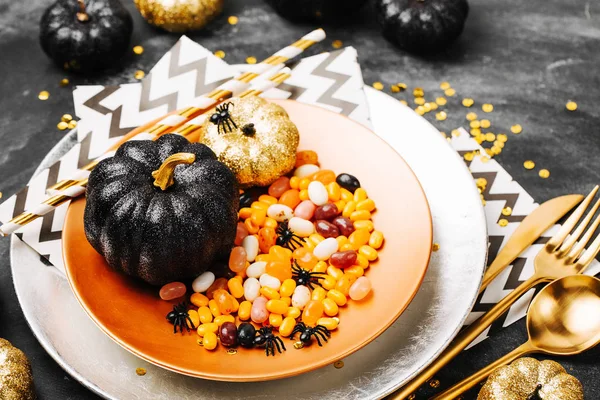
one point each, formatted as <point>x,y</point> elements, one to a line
<point>231,352</point>
<point>485,123</point>
<point>411,396</point>
<point>475,131</point>
<point>455,132</point>
<point>72,124</point>
<point>441,116</point>
<point>140,371</point>
<point>138,49</point>
<point>66,118</point>
<point>64,82</point>
<point>499,143</point>
<point>503,222</point>
<point>496,150</point>
<point>435,247</point>
<point>336,44</point>
<point>441,101</point>
<point>529,164</point>
<point>395,88</point>
<point>481,182</point>
<point>232,20</point>
<point>418,92</point>
<point>62,125</point>
<point>250,60</point>
<point>220,53</point>
<point>404,102</point>
<point>298,345</point>
<point>0,195</point>
<point>507,211</point>
<point>420,110</point>
<point>450,92</point>
<point>443,134</point>
<point>433,105</point>
<point>139,74</point>
<point>501,137</point>
<point>487,107</point>
<point>338,364</point>
<point>427,106</point>
<point>471,116</point>
<point>44,94</point>
<point>434,383</point>
<point>445,85</point>
<point>490,137</point>
<point>479,138</point>
<point>489,152</point>
<point>516,129</point>
<point>469,156</point>
<point>402,86</point>
<point>378,85</point>
<point>484,159</point>
<point>571,105</point>
<point>544,173</point>
<point>419,100</point>
<point>475,124</point>
<point>467,102</point>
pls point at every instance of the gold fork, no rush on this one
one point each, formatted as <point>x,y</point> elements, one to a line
<point>565,254</point>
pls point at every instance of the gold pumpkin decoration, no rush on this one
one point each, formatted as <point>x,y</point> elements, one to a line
<point>179,15</point>
<point>530,379</point>
<point>16,379</point>
<point>255,138</point>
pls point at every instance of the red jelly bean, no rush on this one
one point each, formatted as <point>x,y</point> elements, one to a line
<point>326,229</point>
<point>240,234</point>
<point>228,334</point>
<point>279,187</point>
<point>172,291</point>
<point>326,211</point>
<point>344,224</point>
<point>343,259</point>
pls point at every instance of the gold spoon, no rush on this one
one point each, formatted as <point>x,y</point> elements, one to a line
<point>563,319</point>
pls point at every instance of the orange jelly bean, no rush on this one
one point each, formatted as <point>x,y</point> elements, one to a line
<point>344,283</point>
<point>359,238</point>
<point>199,300</point>
<point>290,198</point>
<point>278,253</point>
<point>312,312</point>
<point>325,176</point>
<point>220,283</point>
<point>279,269</point>
<point>224,301</point>
<point>305,258</point>
<point>306,157</point>
<point>240,233</point>
<point>266,239</point>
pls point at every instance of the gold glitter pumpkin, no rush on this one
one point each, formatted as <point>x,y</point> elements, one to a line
<point>179,15</point>
<point>16,379</point>
<point>530,379</point>
<point>260,143</point>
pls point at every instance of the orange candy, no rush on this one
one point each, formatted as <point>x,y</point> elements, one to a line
<point>305,258</point>
<point>343,285</point>
<point>279,269</point>
<point>359,238</point>
<point>306,157</point>
<point>278,253</point>
<point>279,187</point>
<point>325,176</point>
<point>266,239</point>
<point>224,301</point>
<point>290,198</point>
<point>220,283</point>
<point>312,312</point>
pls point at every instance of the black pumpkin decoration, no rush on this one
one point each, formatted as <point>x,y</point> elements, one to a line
<point>315,10</point>
<point>85,35</point>
<point>162,211</point>
<point>422,26</point>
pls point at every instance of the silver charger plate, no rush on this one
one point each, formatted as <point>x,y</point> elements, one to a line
<point>425,329</point>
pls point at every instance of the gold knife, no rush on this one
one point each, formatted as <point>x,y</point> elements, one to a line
<point>529,230</point>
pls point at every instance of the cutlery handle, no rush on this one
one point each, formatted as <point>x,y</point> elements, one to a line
<point>468,383</point>
<point>466,337</point>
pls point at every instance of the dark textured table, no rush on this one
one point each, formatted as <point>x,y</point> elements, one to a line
<point>526,58</point>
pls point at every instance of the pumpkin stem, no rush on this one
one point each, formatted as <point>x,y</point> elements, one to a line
<point>82,16</point>
<point>163,177</point>
<point>536,393</point>
<point>249,129</point>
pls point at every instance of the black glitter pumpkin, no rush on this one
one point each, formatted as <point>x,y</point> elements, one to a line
<point>315,10</point>
<point>422,26</point>
<point>167,233</point>
<point>85,35</point>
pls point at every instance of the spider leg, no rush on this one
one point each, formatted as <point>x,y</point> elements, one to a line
<point>321,328</point>
<point>233,122</point>
<point>191,324</point>
<point>318,340</point>
<point>276,345</point>
<point>226,125</point>
<point>279,342</point>
<point>321,335</point>
<point>269,348</point>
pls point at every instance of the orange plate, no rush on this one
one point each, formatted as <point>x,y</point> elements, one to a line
<point>133,315</point>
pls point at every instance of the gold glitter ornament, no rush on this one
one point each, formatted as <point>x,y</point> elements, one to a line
<point>262,147</point>
<point>180,15</point>
<point>527,377</point>
<point>16,379</point>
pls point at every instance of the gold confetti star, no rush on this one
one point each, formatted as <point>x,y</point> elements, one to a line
<point>441,101</point>
<point>220,53</point>
<point>435,246</point>
<point>485,123</point>
<point>419,100</point>
<point>336,44</point>
<point>250,60</point>
<point>544,173</point>
<point>507,211</point>
<point>487,108</point>
<point>378,85</point>
<point>138,50</point>
<point>418,92</point>
<point>450,92</point>
<point>140,371</point>
<point>441,116</point>
<point>62,125</point>
<point>503,222</point>
<point>471,116</point>
<point>66,118</point>
<point>139,74</point>
<point>516,129</point>
<point>44,94</point>
<point>445,85</point>
<point>64,82</point>
<point>467,102</point>
<point>529,164</point>
<point>72,124</point>
<point>232,20</point>
<point>571,105</point>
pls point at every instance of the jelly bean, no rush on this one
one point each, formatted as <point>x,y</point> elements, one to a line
<point>369,252</point>
<point>364,224</point>
<point>376,239</point>
<point>304,182</point>
<point>327,229</point>
<point>344,283</point>
<point>348,182</point>
<point>209,341</point>
<point>275,320</point>
<point>325,176</point>
<point>251,289</point>
<point>235,287</point>
<point>303,195</point>
<point>214,308</point>
<point>360,288</point>
<point>278,253</point>
<point>199,300</point>
<point>270,293</point>
<point>306,157</point>
<point>317,193</point>
<point>267,280</point>
<point>343,259</point>
<point>221,319</point>
<point>270,223</point>
<point>259,313</point>
<point>346,195</point>
<point>321,266</point>
<point>367,204</point>
<point>240,233</point>
<point>205,315</point>
<point>220,283</point>
<point>344,225</point>
<point>359,195</point>
<point>330,308</point>
<point>362,261</point>
<point>333,190</point>
<point>277,306</point>
<point>255,270</point>
<point>293,312</point>
<point>347,246</point>
<point>246,334</point>
<point>287,326</point>
<point>208,327</point>
<point>359,215</point>
<point>335,272</point>
<point>259,205</point>
<point>318,294</point>
<point>258,217</point>
<point>265,198</point>
<point>266,239</point>
<point>349,209</point>
<point>246,199</point>
<point>300,297</point>
<point>224,301</point>
<point>290,198</point>
<point>329,323</point>
<point>287,300</point>
<point>305,258</point>
<point>326,248</point>
<point>244,310</point>
<point>359,238</point>
<point>328,282</point>
<point>203,282</point>
<point>356,271</point>
<point>294,182</point>
<point>250,245</point>
<point>301,227</point>
<point>327,211</point>
<point>287,288</point>
<point>172,291</point>
<point>312,312</point>
<point>280,212</point>
<point>278,187</point>
<point>305,210</point>
<point>237,259</point>
<point>251,227</point>
<point>280,270</point>
<point>228,334</point>
<point>195,318</point>
<point>342,240</point>
<point>340,204</point>
<point>236,304</point>
<point>337,296</point>
<point>305,170</point>
<point>245,213</point>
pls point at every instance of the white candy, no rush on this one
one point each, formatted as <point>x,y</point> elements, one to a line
<point>301,227</point>
<point>305,170</point>
<point>300,297</point>
<point>280,212</point>
<point>251,289</point>
<point>203,282</point>
<point>250,244</point>
<point>269,281</point>
<point>256,269</point>
<point>326,248</point>
<point>317,193</point>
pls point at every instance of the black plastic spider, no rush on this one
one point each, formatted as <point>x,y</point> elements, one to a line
<point>304,277</point>
<point>265,336</point>
<point>307,333</point>
<point>180,319</point>
<point>536,393</point>
<point>223,119</point>
<point>287,238</point>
